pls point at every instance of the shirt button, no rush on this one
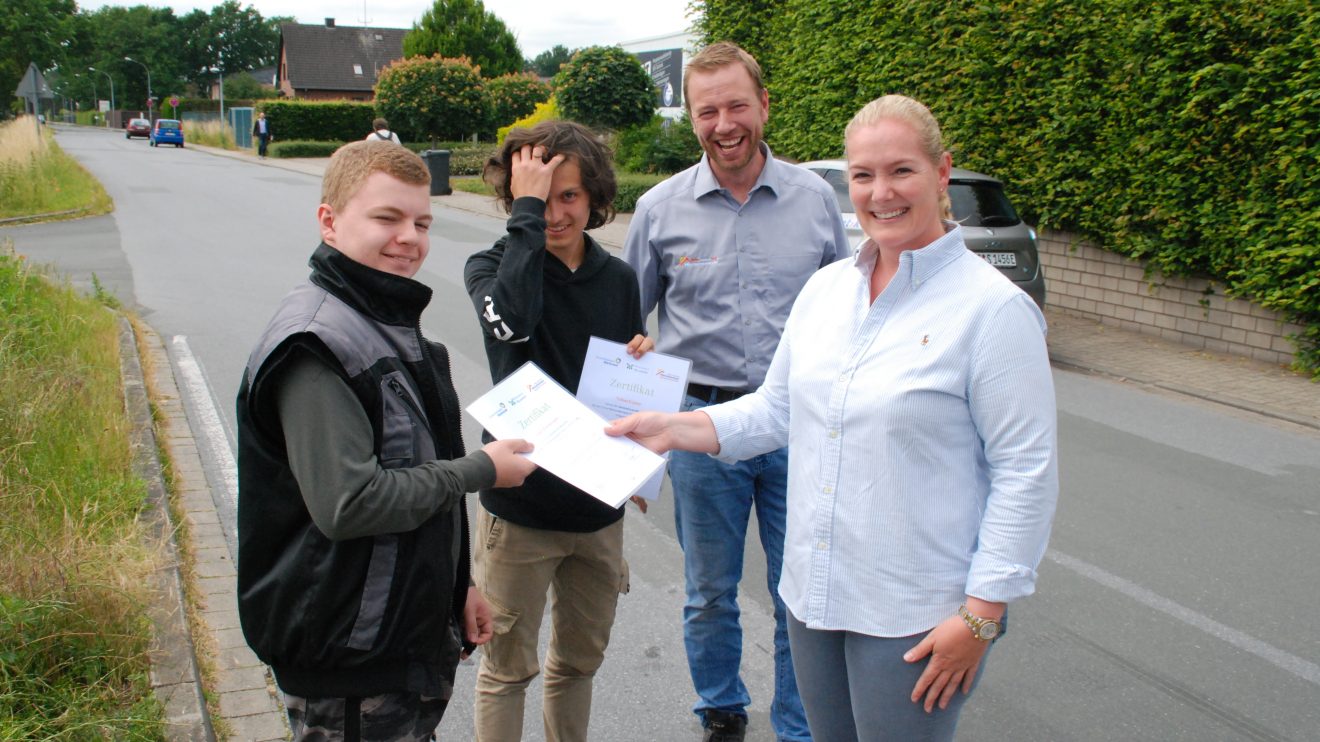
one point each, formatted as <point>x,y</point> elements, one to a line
<point>843,377</point>
<point>827,490</point>
<point>822,546</point>
<point>834,434</point>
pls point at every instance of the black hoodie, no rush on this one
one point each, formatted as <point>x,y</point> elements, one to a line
<point>533,308</point>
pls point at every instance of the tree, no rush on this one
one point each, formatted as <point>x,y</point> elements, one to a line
<point>605,87</point>
<point>464,28</point>
<point>432,98</point>
<point>31,31</point>
<point>243,86</point>
<point>514,96</point>
<point>548,62</point>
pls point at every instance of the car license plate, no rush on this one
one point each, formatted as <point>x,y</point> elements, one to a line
<point>1000,259</point>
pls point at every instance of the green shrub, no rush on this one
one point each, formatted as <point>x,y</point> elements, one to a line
<point>659,146</point>
<point>303,148</point>
<point>514,96</point>
<point>605,87</point>
<point>631,188</point>
<point>547,111</point>
<point>433,98</point>
<point>324,121</point>
<point>1179,134</point>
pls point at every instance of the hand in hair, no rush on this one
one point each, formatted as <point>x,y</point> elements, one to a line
<point>531,172</point>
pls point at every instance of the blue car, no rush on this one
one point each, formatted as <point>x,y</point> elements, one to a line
<point>166,131</point>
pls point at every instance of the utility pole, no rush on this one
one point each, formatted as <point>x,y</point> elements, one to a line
<point>112,93</point>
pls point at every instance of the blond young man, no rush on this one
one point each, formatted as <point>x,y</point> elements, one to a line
<point>353,569</point>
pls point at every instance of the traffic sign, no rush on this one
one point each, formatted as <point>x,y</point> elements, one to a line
<point>174,101</point>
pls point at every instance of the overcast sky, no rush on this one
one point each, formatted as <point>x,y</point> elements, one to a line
<point>573,23</point>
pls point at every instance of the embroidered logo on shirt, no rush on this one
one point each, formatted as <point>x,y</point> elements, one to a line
<point>695,260</point>
<point>925,339</point>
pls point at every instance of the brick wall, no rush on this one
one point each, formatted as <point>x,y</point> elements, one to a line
<point>1087,281</point>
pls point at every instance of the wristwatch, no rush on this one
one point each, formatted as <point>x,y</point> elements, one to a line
<point>985,629</point>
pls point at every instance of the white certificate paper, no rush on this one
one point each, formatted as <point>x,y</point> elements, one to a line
<point>570,439</point>
<point>614,385</point>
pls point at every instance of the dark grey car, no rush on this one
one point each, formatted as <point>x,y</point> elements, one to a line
<point>991,227</point>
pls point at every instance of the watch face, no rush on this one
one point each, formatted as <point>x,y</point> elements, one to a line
<point>989,630</point>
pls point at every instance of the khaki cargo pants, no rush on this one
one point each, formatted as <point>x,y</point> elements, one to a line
<point>515,568</point>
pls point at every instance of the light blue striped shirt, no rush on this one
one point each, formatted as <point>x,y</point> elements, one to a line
<point>921,433</point>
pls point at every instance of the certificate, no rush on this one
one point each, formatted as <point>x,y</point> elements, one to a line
<point>615,385</point>
<point>570,439</point>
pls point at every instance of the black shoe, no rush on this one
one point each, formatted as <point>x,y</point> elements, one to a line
<point>724,726</point>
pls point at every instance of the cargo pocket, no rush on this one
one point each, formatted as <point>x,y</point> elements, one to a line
<point>397,425</point>
<point>501,618</point>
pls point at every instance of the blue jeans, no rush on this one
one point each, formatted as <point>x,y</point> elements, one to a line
<point>859,687</point>
<point>712,505</point>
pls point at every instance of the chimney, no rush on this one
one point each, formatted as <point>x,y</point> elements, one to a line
<point>329,22</point>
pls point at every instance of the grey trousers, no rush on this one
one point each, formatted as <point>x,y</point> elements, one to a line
<point>857,688</point>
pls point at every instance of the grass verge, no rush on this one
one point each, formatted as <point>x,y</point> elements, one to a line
<point>37,177</point>
<point>73,582</point>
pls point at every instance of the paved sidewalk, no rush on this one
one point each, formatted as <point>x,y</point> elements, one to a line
<point>248,703</point>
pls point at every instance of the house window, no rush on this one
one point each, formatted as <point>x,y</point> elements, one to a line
<point>357,70</point>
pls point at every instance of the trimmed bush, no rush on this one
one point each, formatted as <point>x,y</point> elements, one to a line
<point>432,98</point>
<point>515,96</point>
<point>303,148</point>
<point>1179,134</point>
<point>605,87</point>
<point>631,188</point>
<point>465,158</point>
<point>322,121</point>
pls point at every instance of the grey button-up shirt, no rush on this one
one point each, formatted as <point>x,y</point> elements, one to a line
<point>725,274</point>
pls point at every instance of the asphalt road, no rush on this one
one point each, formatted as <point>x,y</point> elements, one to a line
<point>1176,602</point>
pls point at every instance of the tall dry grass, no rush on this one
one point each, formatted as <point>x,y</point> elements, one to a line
<point>209,133</point>
<point>38,178</point>
<point>74,575</point>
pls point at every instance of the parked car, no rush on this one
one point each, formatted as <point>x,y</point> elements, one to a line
<point>991,226</point>
<point>166,131</point>
<point>138,128</point>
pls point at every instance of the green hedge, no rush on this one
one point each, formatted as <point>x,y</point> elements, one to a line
<point>465,158</point>
<point>631,188</point>
<point>326,121</point>
<point>1181,134</point>
<point>302,148</point>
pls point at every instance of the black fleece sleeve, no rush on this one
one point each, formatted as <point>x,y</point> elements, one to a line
<point>329,443</point>
<point>505,282</point>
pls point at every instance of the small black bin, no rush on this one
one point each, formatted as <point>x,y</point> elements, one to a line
<point>437,161</point>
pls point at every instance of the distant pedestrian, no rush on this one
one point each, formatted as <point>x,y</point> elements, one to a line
<point>261,130</point>
<point>353,567</point>
<point>381,130</point>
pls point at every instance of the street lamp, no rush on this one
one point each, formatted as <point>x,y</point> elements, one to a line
<point>222,94</point>
<point>112,92</point>
<point>151,100</point>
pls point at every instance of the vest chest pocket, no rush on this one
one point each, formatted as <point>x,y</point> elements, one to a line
<point>400,420</point>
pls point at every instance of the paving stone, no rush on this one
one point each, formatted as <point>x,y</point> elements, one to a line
<point>259,727</point>
<point>241,678</point>
<point>247,702</point>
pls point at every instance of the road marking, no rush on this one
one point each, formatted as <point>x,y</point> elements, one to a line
<point>1304,669</point>
<point>209,426</point>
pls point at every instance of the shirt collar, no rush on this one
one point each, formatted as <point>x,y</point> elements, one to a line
<point>926,261</point>
<point>706,183</point>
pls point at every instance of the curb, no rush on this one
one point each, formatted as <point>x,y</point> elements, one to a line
<point>174,675</point>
